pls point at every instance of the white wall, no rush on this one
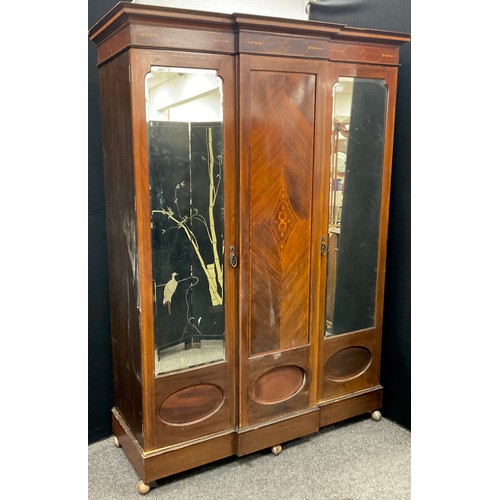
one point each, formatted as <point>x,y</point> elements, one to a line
<point>293,9</point>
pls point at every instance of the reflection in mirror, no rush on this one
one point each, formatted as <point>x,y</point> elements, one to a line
<point>185,144</point>
<point>356,164</point>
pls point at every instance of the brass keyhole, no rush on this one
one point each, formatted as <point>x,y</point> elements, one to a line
<point>233,260</point>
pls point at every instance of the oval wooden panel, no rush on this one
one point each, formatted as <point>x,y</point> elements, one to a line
<point>348,363</point>
<point>192,404</point>
<point>278,384</point>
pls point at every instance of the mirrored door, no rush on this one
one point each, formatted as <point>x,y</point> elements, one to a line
<point>184,114</point>
<point>355,186</point>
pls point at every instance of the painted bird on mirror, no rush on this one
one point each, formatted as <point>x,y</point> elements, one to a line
<point>169,290</point>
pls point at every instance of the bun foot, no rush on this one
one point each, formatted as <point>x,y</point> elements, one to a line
<point>276,450</point>
<point>143,488</point>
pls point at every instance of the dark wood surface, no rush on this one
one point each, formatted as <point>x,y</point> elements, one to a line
<point>261,371</point>
<point>191,404</point>
<point>148,26</point>
<point>347,363</point>
<point>200,399</point>
<point>281,149</point>
<point>128,442</point>
<point>121,226</point>
<point>168,461</point>
<point>336,377</point>
<point>280,166</point>
<point>164,462</point>
<point>371,338</point>
<point>276,432</point>
<point>357,403</point>
<point>392,15</point>
<point>281,379</point>
<point>278,384</point>
<point>154,428</point>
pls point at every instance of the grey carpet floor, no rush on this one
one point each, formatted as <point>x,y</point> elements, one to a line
<point>354,460</point>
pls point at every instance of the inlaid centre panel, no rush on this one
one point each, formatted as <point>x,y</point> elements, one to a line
<point>281,167</point>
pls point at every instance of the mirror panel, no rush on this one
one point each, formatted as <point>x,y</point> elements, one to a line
<point>186,158</point>
<point>356,166</point>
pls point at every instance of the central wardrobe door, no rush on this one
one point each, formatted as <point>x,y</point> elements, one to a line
<point>278,101</point>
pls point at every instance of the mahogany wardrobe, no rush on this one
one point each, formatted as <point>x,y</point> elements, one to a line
<point>247,165</point>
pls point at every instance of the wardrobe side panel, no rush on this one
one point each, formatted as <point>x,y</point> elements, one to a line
<point>121,226</point>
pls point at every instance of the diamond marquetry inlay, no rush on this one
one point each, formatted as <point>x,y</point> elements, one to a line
<point>363,53</point>
<point>282,219</point>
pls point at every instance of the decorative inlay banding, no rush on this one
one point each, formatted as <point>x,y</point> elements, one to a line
<point>191,404</point>
<point>361,53</point>
<point>282,219</point>
<point>278,384</point>
<point>348,363</point>
<point>279,45</point>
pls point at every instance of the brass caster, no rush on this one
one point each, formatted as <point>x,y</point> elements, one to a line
<point>116,442</point>
<point>276,450</point>
<point>143,488</point>
<point>376,415</point>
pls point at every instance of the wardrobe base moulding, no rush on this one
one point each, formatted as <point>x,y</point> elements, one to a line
<point>171,460</point>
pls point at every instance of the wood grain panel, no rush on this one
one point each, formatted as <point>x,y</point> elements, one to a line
<point>347,363</point>
<point>281,163</point>
<point>262,370</point>
<point>191,404</point>
<point>282,151</point>
<point>278,384</point>
<point>198,398</point>
<point>338,376</point>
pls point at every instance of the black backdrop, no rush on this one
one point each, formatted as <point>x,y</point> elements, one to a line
<point>388,14</point>
<point>100,379</point>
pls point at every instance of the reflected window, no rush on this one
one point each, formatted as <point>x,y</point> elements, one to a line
<point>186,170</point>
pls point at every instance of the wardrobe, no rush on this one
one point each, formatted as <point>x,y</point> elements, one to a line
<point>247,165</point>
